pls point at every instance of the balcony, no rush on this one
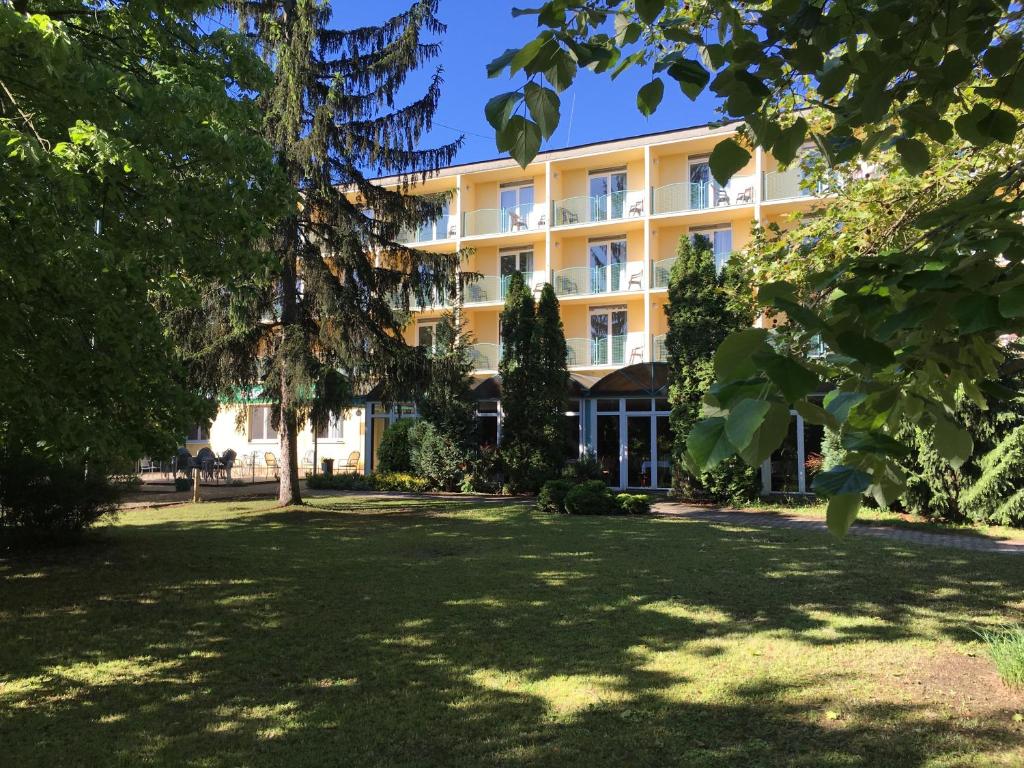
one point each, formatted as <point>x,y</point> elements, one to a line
<point>589,281</point>
<point>442,228</point>
<point>429,300</point>
<point>789,184</point>
<point>498,221</point>
<point>661,271</point>
<point>485,357</point>
<point>703,195</point>
<point>488,288</point>
<point>659,350</point>
<point>592,209</point>
<point>606,350</point>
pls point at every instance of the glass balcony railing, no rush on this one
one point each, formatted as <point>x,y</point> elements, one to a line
<point>442,228</point>
<point>590,209</point>
<point>496,221</point>
<point>587,281</point>
<point>605,350</point>
<point>703,195</point>
<point>494,287</point>
<point>428,300</point>
<point>659,351</point>
<point>790,183</point>
<point>485,357</point>
<point>661,271</point>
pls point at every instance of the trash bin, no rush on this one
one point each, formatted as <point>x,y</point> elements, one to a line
<point>327,467</point>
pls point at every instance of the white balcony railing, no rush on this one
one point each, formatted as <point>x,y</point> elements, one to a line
<point>788,184</point>
<point>625,349</point>
<point>589,281</point>
<point>704,195</point>
<point>442,228</point>
<point>485,356</point>
<point>497,221</point>
<point>487,288</point>
<point>590,209</point>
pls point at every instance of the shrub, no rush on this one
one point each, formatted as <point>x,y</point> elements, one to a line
<point>437,457</point>
<point>482,475</point>
<point>552,496</point>
<point>587,467</point>
<point>182,483</point>
<point>47,501</point>
<point>395,451</point>
<point>345,481</point>
<point>399,481</point>
<point>633,503</point>
<point>591,498</point>
<point>1005,647</point>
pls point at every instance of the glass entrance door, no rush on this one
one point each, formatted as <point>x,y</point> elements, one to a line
<point>639,458</point>
<point>516,207</point>
<point>607,266</point>
<point>607,336</point>
<point>607,195</point>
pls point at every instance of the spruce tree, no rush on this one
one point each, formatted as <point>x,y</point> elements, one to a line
<point>334,267</point>
<point>447,402</point>
<point>703,308</point>
<point>552,378</point>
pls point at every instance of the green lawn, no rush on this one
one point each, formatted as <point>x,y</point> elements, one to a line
<point>439,634</point>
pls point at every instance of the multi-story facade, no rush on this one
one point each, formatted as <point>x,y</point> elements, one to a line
<point>601,223</point>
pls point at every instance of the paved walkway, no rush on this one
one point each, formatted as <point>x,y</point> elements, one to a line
<point>967,541</point>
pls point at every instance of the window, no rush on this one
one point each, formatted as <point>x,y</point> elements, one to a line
<point>512,260</point>
<point>721,242</point>
<point>333,430</point>
<point>607,265</point>
<point>607,335</point>
<point>607,194</point>
<point>260,424</point>
<point>199,434</point>
<point>516,203</point>
<point>426,335</point>
<point>487,424</point>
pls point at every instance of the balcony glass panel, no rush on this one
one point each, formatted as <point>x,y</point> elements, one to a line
<point>523,217</point>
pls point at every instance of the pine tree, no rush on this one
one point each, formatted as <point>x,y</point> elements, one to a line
<point>518,369</point>
<point>447,402</point>
<point>552,378</point>
<point>334,263</point>
<point>703,308</point>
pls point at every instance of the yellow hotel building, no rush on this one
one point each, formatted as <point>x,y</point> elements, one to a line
<point>601,222</point>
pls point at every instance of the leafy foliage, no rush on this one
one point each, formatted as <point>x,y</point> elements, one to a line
<point>910,323</point>
<point>436,457</point>
<point>552,496</point>
<point>404,482</point>
<point>343,481</point>
<point>591,498</point>
<point>395,451</point>
<point>633,503</point>
<point>587,467</point>
<point>132,163</point>
<point>336,293</point>
<point>703,308</point>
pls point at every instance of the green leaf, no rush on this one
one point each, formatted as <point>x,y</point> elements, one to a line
<point>498,64</point>
<point>561,72</point>
<point>841,480</point>
<point>795,381</point>
<point>521,139</point>
<point>1011,303</point>
<point>734,356</point>
<point>967,126</point>
<point>726,159</point>
<point>789,140</point>
<point>839,403</point>
<point>1000,125</point>
<point>862,348</point>
<point>499,109</point>
<point>690,75</point>
<point>873,442</point>
<point>649,96</point>
<point>527,53</point>
<point>769,435</point>
<point>707,443</point>
<point>914,155</point>
<point>842,511</point>
<point>543,104</point>
<point>952,443</point>
<point>744,420</point>
<point>815,414</point>
<point>648,10</point>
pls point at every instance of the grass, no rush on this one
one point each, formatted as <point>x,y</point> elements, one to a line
<point>1005,646</point>
<point>436,633</point>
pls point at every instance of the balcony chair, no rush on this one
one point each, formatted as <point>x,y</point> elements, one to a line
<point>746,196</point>
<point>451,231</point>
<point>270,462</point>
<point>569,217</point>
<point>637,208</point>
<point>566,285</point>
<point>721,197</point>
<point>476,292</point>
<point>307,462</point>
<point>517,223</point>
<point>636,355</point>
<point>351,463</point>
<point>636,279</point>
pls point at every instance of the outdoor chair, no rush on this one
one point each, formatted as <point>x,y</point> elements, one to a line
<point>637,355</point>
<point>516,222</point>
<point>148,465</point>
<point>352,463</point>
<point>569,217</point>
<point>307,462</point>
<point>183,463</point>
<point>746,196</point>
<point>476,292</point>
<point>270,461</point>
<point>206,461</point>
<point>636,280</point>
<point>451,231</point>
<point>721,197</point>
<point>227,462</point>
<point>637,208</point>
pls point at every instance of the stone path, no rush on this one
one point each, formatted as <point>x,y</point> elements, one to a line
<point>966,541</point>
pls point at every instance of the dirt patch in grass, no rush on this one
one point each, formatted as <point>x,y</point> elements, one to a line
<point>969,686</point>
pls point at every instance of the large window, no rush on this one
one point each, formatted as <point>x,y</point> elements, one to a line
<point>426,335</point>
<point>260,424</point>
<point>607,335</point>
<point>721,242</point>
<point>199,434</point>
<point>516,203</point>
<point>607,265</point>
<point>607,194</point>
<point>333,431</point>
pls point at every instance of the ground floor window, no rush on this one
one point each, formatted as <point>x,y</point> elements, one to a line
<point>333,430</point>
<point>199,434</point>
<point>633,442</point>
<point>261,425</point>
<point>792,467</point>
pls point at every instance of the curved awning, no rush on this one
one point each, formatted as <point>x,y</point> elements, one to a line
<point>639,380</point>
<point>489,388</point>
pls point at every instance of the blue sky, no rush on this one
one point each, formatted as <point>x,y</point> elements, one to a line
<point>593,109</point>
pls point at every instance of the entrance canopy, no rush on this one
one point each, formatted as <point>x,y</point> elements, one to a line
<point>640,380</point>
<point>490,387</point>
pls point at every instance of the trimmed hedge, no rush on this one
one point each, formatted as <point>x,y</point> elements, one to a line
<point>591,498</point>
<point>633,503</point>
<point>343,481</point>
<point>552,496</point>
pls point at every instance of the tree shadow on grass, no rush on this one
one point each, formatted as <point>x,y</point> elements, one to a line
<point>386,636</point>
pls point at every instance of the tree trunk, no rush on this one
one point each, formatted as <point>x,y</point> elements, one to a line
<point>288,490</point>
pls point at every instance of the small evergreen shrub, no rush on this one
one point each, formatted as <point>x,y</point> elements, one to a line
<point>552,496</point>
<point>591,498</point>
<point>344,481</point>
<point>1005,647</point>
<point>436,457</point>
<point>482,475</point>
<point>587,467</point>
<point>395,451</point>
<point>44,501</point>
<point>633,503</point>
<point>399,481</point>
